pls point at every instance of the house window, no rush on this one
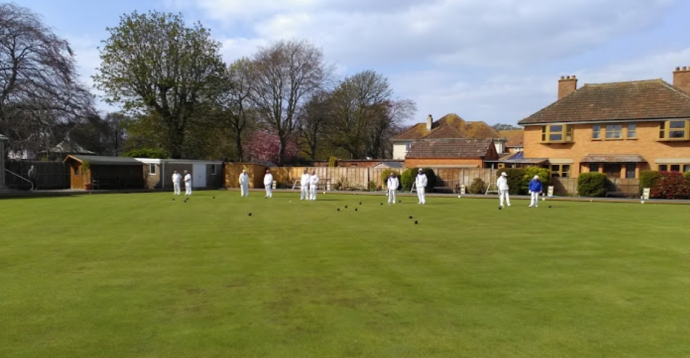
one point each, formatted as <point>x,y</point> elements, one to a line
<point>596,129</point>
<point>673,168</point>
<point>213,169</point>
<point>152,169</point>
<point>560,171</point>
<point>686,168</point>
<point>674,130</point>
<point>557,133</point>
<point>632,131</point>
<point>614,131</point>
<point>630,170</point>
<point>407,147</point>
<point>612,170</point>
<point>593,167</point>
<point>76,170</point>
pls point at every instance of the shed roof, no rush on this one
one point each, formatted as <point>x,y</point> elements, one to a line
<point>102,160</point>
<point>633,100</point>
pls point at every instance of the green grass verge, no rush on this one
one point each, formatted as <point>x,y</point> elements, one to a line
<point>140,275</point>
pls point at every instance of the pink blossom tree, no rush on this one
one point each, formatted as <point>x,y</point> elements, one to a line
<point>265,147</point>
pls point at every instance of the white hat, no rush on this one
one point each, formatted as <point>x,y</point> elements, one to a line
<point>504,174</point>
<point>420,169</point>
<point>536,177</point>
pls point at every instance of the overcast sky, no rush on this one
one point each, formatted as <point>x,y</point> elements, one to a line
<point>496,61</point>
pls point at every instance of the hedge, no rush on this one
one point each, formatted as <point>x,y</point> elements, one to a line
<point>408,177</point>
<point>648,178</point>
<point>477,187</point>
<point>387,173</point>
<point>515,176</point>
<point>591,184</point>
<point>544,175</point>
<point>671,185</point>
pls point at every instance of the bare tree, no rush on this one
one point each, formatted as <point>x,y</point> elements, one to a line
<point>234,102</point>
<point>285,73</point>
<point>155,65</point>
<point>312,119</point>
<point>38,80</point>
<point>363,114</point>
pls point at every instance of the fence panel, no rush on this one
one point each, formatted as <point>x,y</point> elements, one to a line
<point>49,175</point>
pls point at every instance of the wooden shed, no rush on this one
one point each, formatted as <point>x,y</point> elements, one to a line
<point>96,172</point>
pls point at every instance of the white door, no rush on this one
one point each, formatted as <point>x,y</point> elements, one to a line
<point>199,173</point>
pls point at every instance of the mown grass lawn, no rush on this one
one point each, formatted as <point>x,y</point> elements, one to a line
<point>140,275</point>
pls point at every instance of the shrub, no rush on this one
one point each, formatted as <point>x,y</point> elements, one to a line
<point>332,162</point>
<point>372,186</point>
<point>648,178</point>
<point>543,173</point>
<point>686,175</point>
<point>387,173</point>
<point>591,184</point>
<point>408,177</point>
<point>514,179</point>
<point>671,185</point>
<point>478,186</point>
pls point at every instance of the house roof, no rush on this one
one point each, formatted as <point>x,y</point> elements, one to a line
<point>466,129</point>
<point>634,100</point>
<point>613,158</point>
<point>450,148</point>
<point>515,137</point>
<point>518,158</point>
<point>67,146</point>
<point>99,160</point>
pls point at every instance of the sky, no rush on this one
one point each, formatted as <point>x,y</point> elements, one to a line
<point>496,61</point>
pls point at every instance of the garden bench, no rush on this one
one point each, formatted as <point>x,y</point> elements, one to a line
<point>445,185</point>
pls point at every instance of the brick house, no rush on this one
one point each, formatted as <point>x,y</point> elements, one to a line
<point>449,126</point>
<point>615,128</point>
<point>451,152</point>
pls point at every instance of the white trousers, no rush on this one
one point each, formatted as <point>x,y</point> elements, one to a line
<point>305,192</point>
<point>244,189</point>
<point>534,200</point>
<point>503,195</point>
<point>176,188</point>
<point>391,196</point>
<point>420,195</point>
<point>187,189</point>
<point>269,190</point>
<point>312,191</point>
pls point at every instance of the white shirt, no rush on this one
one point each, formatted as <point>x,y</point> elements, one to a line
<point>188,179</point>
<point>392,183</point>
<point>502,183</point>
<point>244,178</point>
<point>421,180</point>
<point>176,178</point>
<point>305,179</point>
<point>268,179</point>
<point>313,179</point>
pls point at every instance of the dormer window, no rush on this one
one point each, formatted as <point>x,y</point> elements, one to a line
<point>557,133</point>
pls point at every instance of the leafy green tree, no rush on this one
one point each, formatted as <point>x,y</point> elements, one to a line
<point>155,65</point>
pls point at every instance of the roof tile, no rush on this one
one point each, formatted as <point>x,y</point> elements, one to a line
<point>450,148</point>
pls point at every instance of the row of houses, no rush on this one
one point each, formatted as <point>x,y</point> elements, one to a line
<point>618,128</point>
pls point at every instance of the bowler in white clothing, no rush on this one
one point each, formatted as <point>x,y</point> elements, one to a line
<point>392,185</point>
<point>268,183</point>
<point>502,184</point>
<point>304,185</point>
<point>313,181</point>
<point>244,183</point>
<point>421,182</point>
<point>187,183</point>
<point>176,179</point>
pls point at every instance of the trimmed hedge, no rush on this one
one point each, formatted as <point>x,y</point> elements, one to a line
<point>478,186</point>
<point>544,175</point>
<point>408,176</point>
<point>591,184</point>
<point>515,176</point>
<point>387,173</point>
<point>648,178</point>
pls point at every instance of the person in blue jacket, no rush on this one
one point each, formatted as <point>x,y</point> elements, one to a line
<point>535,189</point>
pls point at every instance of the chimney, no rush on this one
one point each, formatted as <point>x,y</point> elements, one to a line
<point>566,86</point>
<point>681,79</point>
<point>429,122</point>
